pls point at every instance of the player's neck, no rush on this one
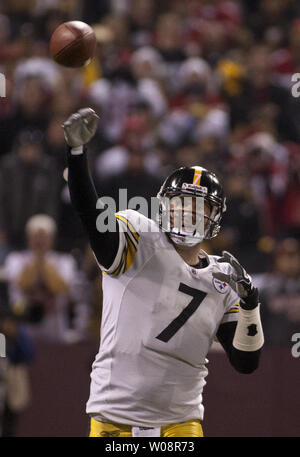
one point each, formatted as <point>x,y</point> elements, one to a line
<point>190,254</point>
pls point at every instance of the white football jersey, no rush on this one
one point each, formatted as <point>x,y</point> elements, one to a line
<point>160,317</point>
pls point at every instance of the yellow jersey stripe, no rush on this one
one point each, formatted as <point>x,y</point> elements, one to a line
<point>132,239</point>
<point>232,311</point>
<point>132,230</point>
<point>127,257</point>
<point>130,253</point>
<point>234,308</point>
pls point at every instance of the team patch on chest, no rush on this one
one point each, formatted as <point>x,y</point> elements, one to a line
<point>220,286</point>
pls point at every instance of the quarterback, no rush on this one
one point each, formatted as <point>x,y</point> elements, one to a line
<point>165,301</point>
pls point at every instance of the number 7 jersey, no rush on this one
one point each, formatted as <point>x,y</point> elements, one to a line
<point>160,317</point>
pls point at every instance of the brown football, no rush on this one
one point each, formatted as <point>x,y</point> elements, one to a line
<point>73,44</point>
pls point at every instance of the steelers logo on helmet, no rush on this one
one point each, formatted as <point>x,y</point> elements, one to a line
<point>191,204</point>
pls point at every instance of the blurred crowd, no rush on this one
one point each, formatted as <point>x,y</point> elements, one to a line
<point>176,83</point>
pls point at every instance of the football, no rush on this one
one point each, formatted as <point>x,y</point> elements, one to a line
<point>73,44</point>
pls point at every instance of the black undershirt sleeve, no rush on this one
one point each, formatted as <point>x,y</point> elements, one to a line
<point>84,199</point>
<point>243,361</point>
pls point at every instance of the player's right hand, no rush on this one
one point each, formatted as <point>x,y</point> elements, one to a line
<point>80,127</point>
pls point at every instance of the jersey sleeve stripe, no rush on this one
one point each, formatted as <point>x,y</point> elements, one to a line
<point>131,238</point>
<point>127,257</point>
<point>234,309</point>
<point>130,253</point>
<point>123,266</point>
<point>119,267</point>
<point>133,232</point>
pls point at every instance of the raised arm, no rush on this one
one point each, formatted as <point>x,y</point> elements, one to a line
<point>78,130</point>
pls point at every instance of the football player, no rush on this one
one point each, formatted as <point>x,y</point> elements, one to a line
<point>165,301</point>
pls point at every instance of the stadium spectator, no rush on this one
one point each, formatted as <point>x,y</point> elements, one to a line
<point>280,294</point>
<point>45,286</point>
<point>259,89</point>
<point>149,70</point>
<point>28,111</point>
<point>243,230</point>
<point>138,174</point>
<point>16,388</point>
<point>29,185</point>
<point>141,21</point>
<point>137,138</point>
<point>18,352</point>
<point>289,205</point>
<point>54,140</point>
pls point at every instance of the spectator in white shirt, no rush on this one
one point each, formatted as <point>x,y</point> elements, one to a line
<point>43,285</point>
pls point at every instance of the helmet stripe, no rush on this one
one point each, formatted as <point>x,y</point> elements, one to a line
<point>197,177</point>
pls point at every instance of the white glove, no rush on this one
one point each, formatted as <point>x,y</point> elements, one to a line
<point>80,127</point>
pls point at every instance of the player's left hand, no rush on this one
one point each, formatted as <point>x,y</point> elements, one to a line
<point>239,281</point>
